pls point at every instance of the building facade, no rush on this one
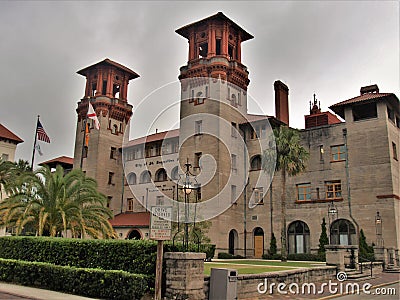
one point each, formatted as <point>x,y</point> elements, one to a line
<point>352,175</point>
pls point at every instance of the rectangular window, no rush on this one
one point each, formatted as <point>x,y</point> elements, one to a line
<point>160,200</point>
<point>198,127</point>
<point>207,92</point>
<point>365,111</point>
<point>390,114</point>
<point>303,191</point>
<point>111,178</point>
<point>333,190</point>
<point>258,195</point>
<point>113,153</point>
<point>197,157</point>
<point>166,148</point>
<point>191,99</point>
<point>4,157</point>
<point>104,90</point>
<point>233,193</point>
<point>85,151</point>
<point>394,149</point>
<point>109,199</point>
<point>233,161</point>
<point>233,130</point>
<point>130,204</point>
<point>138,153</point>
<point>338,153</point>
<point>218,47</point>
<point>199,193</point>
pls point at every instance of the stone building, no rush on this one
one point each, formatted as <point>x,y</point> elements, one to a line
<point>352,175</point>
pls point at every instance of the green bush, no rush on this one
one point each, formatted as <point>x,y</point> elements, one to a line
<point>224,255</point>
<point>208,249</point>
<point>275,256</point>
<point>97,283</point>
<point>297,256</point>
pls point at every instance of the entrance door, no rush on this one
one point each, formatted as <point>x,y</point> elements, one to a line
<point>258,242</point>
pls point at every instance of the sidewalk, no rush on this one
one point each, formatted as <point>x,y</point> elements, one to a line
<point>23,292</point>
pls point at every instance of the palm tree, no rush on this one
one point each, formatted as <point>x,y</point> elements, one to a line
<point>55,203</point>
<point>6,175</point>
<point>290,160</point>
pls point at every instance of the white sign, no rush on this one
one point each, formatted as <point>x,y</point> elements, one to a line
<point>160,226</point>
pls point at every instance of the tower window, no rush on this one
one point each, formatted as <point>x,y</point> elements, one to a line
<point>116,90</point>
<point>218,47</point>
<point>365,111</point>
<point>197,157</point>
<point>113,153</point>
<point>109,198</point>
<point>111,178</point>
<point>104,89</point>
<point>230,51</point>
<point>94,89</point>
<point>198,127</point>
<point>203,50</point>
<point>85,151</point>
<point>394,149</point>
<point>233,193</point>
<point>233,130</point>
<point>130,204</point>
<point>114,129</point>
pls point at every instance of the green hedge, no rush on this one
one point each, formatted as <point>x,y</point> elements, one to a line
<point>137,257</point>
<point>208,249</point>
<point>298,256</point>
<point>224,255</point>
<point>97,283</point>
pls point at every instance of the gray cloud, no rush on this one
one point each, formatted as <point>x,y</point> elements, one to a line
<point>330,48</point>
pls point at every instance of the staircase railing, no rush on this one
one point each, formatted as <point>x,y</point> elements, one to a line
<point>361,261</point>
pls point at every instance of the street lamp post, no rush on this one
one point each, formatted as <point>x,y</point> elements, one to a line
<point>332,215</point>
<point>378,226</point>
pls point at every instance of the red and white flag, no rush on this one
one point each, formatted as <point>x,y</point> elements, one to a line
<point>91,114</point>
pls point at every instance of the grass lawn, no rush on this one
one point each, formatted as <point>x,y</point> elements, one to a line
<point>257,266</point>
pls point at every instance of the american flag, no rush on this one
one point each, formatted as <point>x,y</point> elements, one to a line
<point>41,134</point>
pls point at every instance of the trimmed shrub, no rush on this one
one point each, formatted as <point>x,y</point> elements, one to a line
<point>275,256</point>
<point>208,249</point>
<point>106,284</point>
<point>224,255</point>
<point>307,256</point>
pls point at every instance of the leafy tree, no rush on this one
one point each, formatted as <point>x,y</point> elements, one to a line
<point>6,175</point>
<point>197,232</point>
<point>290,160</point>
<point>366,251</point>
<point>323,238</point>
<point>53,203</point>
<point>272,246</point>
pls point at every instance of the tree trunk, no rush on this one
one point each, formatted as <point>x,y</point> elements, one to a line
<point>283,218</point>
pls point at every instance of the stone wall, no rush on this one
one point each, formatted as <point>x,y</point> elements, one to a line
<point>184,275</point>
<point>247,284</point>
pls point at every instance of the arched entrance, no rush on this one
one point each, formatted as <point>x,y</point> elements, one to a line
<point>134,235</point>
<point>298,237</point>
<point>343,233</point>
<point>233,241</point>
<point>258,242</point>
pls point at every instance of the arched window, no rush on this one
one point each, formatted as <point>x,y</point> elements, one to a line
<point>134,235</point>
<point>114,129</point>
<point>233,241</point>
<point>131,178</point>
<point>343,233</point>
<point>298,237</point>
<point>145,177</point>
<point>255,163</point>
<point>161,175</point>
<point>174,173</point>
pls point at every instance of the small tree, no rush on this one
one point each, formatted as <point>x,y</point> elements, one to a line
<point>323,238</point>
<point>273,249</point>
<point>366,251</point>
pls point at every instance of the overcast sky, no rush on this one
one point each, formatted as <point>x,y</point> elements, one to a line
<point>327,48</point>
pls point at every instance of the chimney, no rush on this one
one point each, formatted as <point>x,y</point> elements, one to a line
<point>281,101</point>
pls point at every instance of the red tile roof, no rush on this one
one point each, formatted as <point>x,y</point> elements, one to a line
<point>154,137</point>
<point>132,74</point>
<point>338,108</point>
<point>185,30</point>
<point>62,160</point>
<point>8,135</point>
<point>131,219</point>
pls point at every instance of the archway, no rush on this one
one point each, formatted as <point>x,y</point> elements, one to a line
<point>233,241</point>
<point>258,242</point>
<point>343,232</point>
<point>298,237</point>
<point>134,235</point>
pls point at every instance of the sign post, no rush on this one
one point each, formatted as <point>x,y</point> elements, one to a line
<point>160,230</point>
